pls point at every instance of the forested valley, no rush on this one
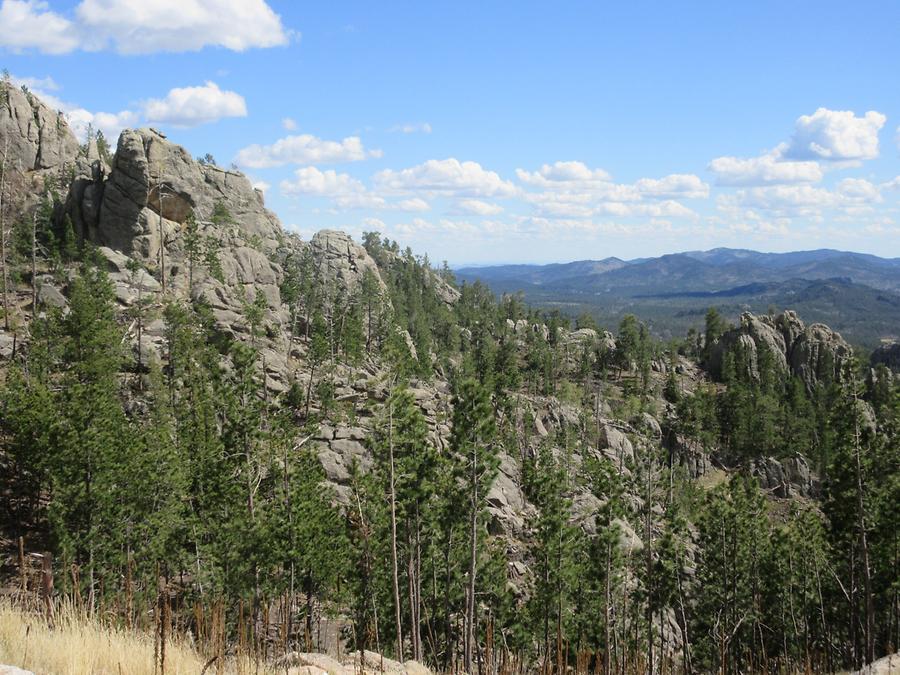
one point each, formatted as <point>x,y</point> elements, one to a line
<point>211,428</point>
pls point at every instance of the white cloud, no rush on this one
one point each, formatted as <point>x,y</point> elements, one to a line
<point>572,190</point>
<point>478,207</point>
<point>304,149</point>
<point>422,127</point>
<point>681,185</point>
<point>311,181</point>
<point>414,204</point>
<point>764,170</point>
<point>345,191</point>
<point>893,184</point>
<point>586,205</point>
<point>375,224</point>
<point>288,124</point>
<point>37,85</point>
<point>111,124</point>
<point>836,135</point>
<point>859,190</point>
<point>851,195</point>
<point>141,26</point>
<point>564,176</point>
<point>192,106</point>
<point>29,24</point>
<point>446,176</point>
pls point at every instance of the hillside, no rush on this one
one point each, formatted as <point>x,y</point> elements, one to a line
<point>857,294</point>
<point>214,431</point>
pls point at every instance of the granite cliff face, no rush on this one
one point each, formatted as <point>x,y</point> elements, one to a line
<point>37,148</point>
<point>153,186</point>
<point>36,138</point>
<point>813,352</point>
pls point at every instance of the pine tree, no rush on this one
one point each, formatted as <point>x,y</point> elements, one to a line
<point>472,440</point>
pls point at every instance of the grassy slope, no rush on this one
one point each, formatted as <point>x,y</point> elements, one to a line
<point>78,646</point>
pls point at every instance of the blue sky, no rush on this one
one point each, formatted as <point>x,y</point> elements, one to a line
<point>500,131</point>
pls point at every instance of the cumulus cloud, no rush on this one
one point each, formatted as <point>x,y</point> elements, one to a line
<point>111,124</point>
<point>764,170</point>
<point>478,207</point>
<point>851,195</point>
<point>445,176</point>
<point>572,190</point>
<point>564,176</point>
<point>141,26</point>
<point>345,191</point>
<point>827,138</point>
<point>193,106</point>
<point>288,124</point>
<point>414,204</point>
<point>304,149</point>
<point>183,107</point>
<point>680,185</point>
<point>29,24</point>
<point>311,181</point>
<point>836,135</point>
<point>419,128</point>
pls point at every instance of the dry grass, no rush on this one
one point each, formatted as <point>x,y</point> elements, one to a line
<point>78,646</point>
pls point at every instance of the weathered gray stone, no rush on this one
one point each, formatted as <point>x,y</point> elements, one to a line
<point>39,138</point>
<point>785,478</point>
<point>341,260</point>
<point>809,352</point>
<point>320,663</point>
<point>616,442</point>
<point>49,295</point>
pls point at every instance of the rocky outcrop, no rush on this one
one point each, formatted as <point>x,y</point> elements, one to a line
<point>37,148</point>
<point>889,665</point>
<point>37,137</point>
<point>786,478</point>
<point>354,663</point>
<point>812,352</point>
<point>137,210</point>
<point>154,185</point>
<point>887,355</point>
<point>341,261</point>
<point>690,454</point>
<point>819,353</point>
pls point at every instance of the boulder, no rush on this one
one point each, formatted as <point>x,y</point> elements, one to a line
<point>889,665</point>
<point>370,661</point>
<point>786,478</point>
<point>12,670</point>
<point>7,342</point>
<point>416,668</point>
<point>649,426</point>
<point>690,454</point>
<point>616,442</point>
<point>319,663</point>
<point>49,295</point>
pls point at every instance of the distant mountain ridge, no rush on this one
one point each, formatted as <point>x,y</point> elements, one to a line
<point>857,293</point>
